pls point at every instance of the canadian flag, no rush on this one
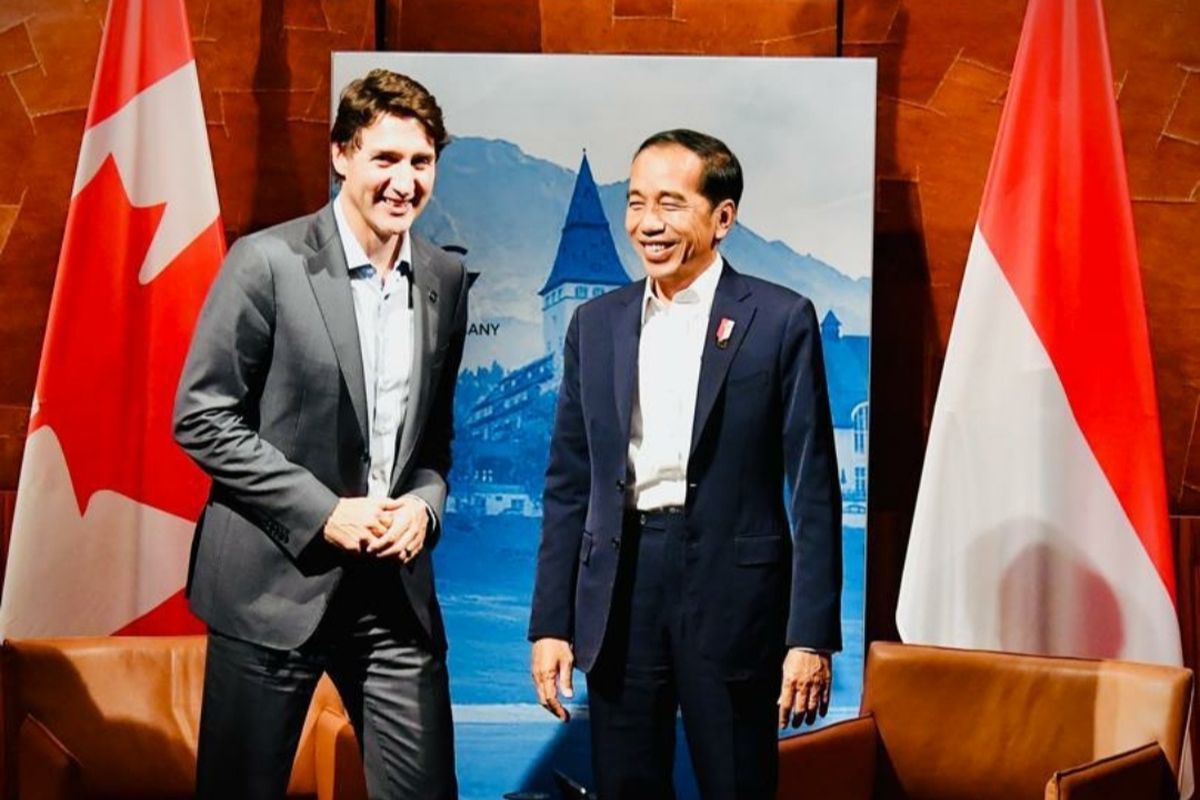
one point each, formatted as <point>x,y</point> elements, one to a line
<point>106,503</point>
<point>1041,518</point>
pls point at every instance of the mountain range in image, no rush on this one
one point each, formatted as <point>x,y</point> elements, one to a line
<point>507,209</point>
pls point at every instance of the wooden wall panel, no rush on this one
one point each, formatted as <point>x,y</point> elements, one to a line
<point>465,26</point>
<point>49,54</point>
<point>690,27</point>
<point>264,73</point>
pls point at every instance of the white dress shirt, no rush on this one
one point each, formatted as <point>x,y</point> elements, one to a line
<point>664,408</point>
<point>385,336</point>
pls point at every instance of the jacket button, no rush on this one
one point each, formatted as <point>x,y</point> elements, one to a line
<point>616,543</point>
<point>620,486</point>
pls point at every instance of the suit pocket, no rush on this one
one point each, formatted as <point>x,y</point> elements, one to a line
<point>751,551</point>
<point>585,548</point>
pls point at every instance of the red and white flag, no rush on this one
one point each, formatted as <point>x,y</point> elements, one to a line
<point>1041,519</point>
<point>106,503</point>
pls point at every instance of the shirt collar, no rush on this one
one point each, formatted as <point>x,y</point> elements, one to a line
<point>356,256</point>
<point>699,293</point>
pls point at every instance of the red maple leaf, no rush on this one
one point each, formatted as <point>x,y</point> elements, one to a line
<point>114,350</point>
<point>171,616</point>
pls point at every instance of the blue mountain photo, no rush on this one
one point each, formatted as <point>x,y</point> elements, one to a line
<point>507,208</point>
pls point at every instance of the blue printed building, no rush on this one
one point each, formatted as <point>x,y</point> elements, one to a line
<point>509,425</point>
<point>846,361</point>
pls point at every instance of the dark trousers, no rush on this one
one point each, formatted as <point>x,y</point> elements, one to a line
<point>650,667</point>
<point>394,688</point>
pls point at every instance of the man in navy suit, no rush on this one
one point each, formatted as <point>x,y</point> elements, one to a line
<point>693,421</point>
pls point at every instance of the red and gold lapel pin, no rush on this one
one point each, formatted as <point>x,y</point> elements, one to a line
<point>724,331</point>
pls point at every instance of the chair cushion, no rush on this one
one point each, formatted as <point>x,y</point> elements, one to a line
<point>127,709</point>
<point>990,726</point>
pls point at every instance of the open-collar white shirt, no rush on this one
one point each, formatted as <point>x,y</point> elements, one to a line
<point>664,407</point>
<point>385,337</point>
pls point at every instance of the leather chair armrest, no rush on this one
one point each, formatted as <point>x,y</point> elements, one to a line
<point>338,764</point>
<point>1140,774</point>
<point>837,761</point>
<point>46,769</point>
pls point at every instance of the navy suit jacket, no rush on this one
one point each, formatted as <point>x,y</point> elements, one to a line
<point>762,416</point>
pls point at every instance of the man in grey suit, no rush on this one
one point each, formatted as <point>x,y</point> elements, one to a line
<point>318,395</point>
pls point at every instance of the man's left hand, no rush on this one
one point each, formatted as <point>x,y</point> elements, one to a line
<point>807,684</point>
<point>405,537</point>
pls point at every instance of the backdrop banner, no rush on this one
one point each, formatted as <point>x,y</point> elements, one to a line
<point>532,191</point>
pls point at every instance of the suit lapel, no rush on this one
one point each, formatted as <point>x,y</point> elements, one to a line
<point>731,302</point>
<point>426,305</point>
<point>330,280</point>
<point>627,333</point>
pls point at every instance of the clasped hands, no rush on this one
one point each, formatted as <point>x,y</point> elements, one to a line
<point>804,692</point>
<point>379,527</point>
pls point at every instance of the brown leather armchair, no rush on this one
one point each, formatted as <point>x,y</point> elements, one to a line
<point>942,724</point>
<point>111,717</point>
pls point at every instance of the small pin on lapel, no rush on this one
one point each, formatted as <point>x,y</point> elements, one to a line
<point>724,331</point>
<point>433,295</point>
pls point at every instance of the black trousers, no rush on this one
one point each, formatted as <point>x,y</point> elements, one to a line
<point>394,687</point>
<point>650,667</point>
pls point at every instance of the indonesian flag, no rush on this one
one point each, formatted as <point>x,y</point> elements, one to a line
<point>106,502</point>
<point>1041,519</point>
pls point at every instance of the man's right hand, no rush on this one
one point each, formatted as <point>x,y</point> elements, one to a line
<point>357,521</point>
<point>551,665</point>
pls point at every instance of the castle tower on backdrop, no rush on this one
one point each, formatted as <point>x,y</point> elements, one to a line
<point>586,266</point>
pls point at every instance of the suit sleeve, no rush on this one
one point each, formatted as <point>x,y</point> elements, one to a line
<point>564,505</point>
<point>430,477</point>
<point>814,492</point>
<point>217,399</point>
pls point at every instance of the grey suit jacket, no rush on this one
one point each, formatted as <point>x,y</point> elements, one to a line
<point>272,405</point>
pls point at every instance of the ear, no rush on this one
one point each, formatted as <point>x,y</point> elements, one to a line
<point>339,156</point>
<point>726,216</point>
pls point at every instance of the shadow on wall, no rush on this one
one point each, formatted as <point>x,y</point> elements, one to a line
<point>277,178</point>
<point>904,365</point>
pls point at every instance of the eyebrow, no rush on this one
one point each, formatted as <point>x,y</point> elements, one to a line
<point>662,196</point>
<point>387,151</point>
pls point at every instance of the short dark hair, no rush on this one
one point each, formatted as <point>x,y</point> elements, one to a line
<point>721,173</point>
<point>382,91</point>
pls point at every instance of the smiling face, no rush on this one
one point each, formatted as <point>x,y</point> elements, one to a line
<point>387,178</point>
<point>674,228</point>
